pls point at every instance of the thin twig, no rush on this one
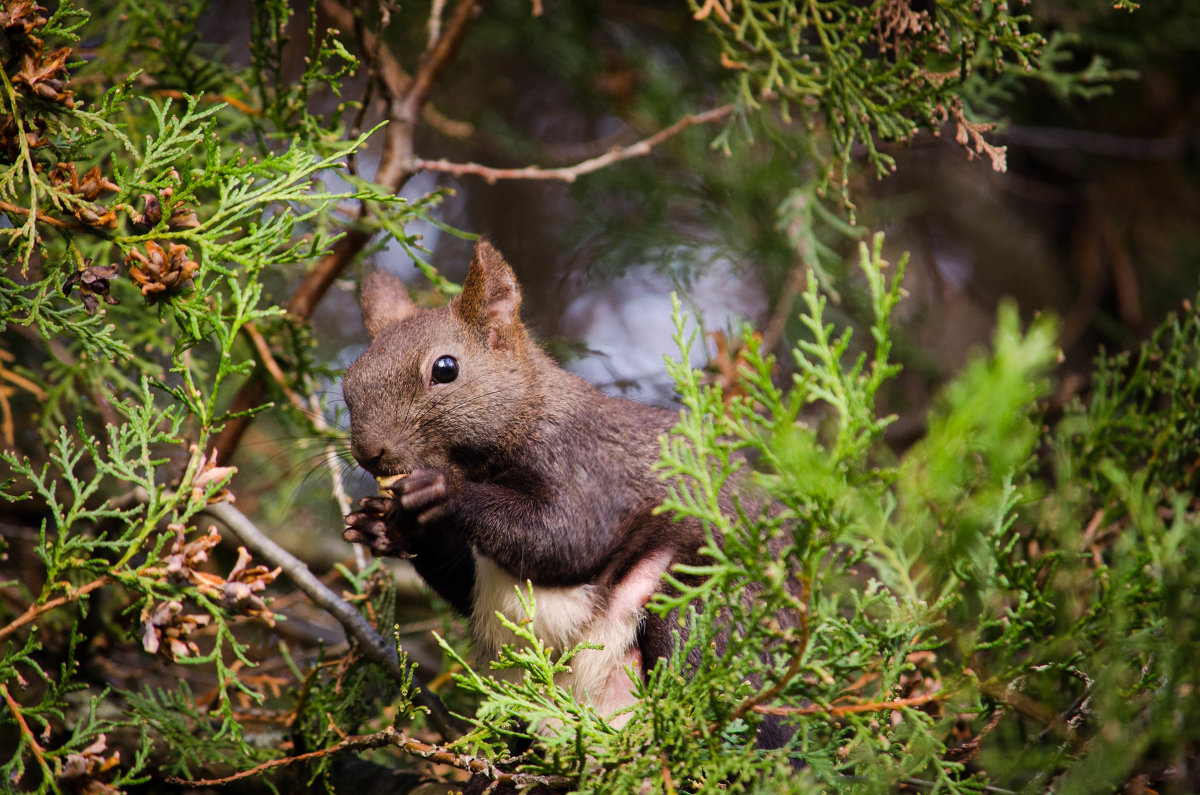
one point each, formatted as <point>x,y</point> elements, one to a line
<point>313,411</point>
<point>42,218</point>
<point>18,380</point>
<point>227,99</point>
<point>38,609</point>
<point>753,702</point>
<point>15,708</point>
<point>792,286</point>
<point>435,22</point>
<point>363,742</point>
<point>391,737</point>
<point>839,710</point>
<point>571,173</point>
<point>332,463</point>
<point>268,361</point>
<point>372,644</point>
<point>436,58</point>
<point>395,79</point>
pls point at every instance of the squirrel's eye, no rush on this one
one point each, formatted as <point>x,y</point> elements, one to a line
<point>445,369</point>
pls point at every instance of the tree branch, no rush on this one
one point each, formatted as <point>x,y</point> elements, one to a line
<point>389,736</point>
<point>50,220</point>
<point>19,717</point>
<point>372,644</point>
<point>571,173</point>
<point>36,610</point>
<point>848,709</point>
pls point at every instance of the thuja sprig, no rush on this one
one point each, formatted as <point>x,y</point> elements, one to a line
<point>865,74</point>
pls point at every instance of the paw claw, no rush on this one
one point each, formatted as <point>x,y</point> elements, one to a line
<point>424,492</point>
<point>386,525</point>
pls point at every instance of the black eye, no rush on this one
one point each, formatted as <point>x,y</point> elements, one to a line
<point>445,369</point>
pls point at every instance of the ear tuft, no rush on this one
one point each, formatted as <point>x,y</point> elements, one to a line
<point>384,301</point>
<point>491,300</point>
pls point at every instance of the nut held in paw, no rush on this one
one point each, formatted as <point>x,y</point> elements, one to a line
<point>387,481</point>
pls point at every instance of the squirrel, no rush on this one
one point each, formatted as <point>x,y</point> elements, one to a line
<point>514,470</point>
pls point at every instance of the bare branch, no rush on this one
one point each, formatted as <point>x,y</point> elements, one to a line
<point>49,220</point>
<point>389,736</point>
<point>849,709</point>
<point>19,717</point>
<point>435,22</point>
<point>38,609</point>
<point>268,361</point>
<point>391,73</point>
<point>373,645</point>
<point>364,742</point>
<point>571,173</point>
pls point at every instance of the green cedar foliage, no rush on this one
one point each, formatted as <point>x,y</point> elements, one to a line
<point>965,620</point>
<point>142,224</point>
<point>1003,606</point>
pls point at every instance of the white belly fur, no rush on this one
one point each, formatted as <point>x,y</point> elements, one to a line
<point>565,617</point>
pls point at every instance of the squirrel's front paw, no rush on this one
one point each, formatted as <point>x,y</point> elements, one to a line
<point>369,528</point>
<point>427,493</point>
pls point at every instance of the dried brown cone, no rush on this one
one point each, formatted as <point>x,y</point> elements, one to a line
<point>10,142</point>
<point>166,630</point>
<point>38,73</point>
<point>19,18</point>
<point>244,586</point>
<point>45,75</point>
<point>208,473</point>
<point>83,772</point>
<point>151,215</point>
<point>159,273</point>
<point>21,21</point>
<point>94,282</point>
<point>65,177</point>
<point>92,215</point>
<point>182,217</point>
<point>93,184</point>
<point>186,556</point>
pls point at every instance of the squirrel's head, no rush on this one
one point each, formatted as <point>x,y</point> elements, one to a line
<point>449,387</point>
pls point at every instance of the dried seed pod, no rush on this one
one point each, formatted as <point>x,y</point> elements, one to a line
<point>45,75</point>
<point>83,771</point>
<point>93,184</point>
<point>184,557</point>
<point>244,585</point>
<point>208,472</point>
<point>19,18</point>
<point>151,213</point>
<point>183,217</point>
<point>166,630</point>
<point>160,272</point>
<point>94,282</point>
<point>92,216</point>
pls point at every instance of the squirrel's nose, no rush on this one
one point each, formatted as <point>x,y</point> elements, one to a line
<point>369,455</point>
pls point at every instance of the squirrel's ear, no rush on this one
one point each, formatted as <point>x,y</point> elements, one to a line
<point>384,301</point>
<point>491,300</point>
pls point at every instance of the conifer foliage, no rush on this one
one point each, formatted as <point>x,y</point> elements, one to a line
<point>1007,604</point>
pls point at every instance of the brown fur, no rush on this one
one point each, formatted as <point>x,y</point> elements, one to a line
<point>515,460</point>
